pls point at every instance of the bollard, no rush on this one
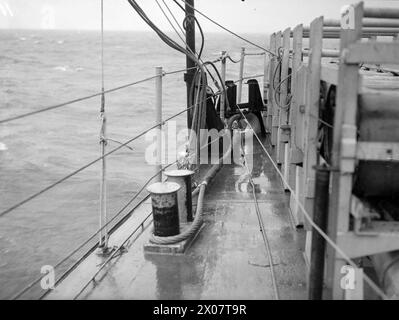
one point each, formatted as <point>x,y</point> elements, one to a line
<point>184,197</point>
<point>165,209</point>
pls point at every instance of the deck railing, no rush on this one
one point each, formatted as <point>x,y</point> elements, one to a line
<point>105,228</point>
<point>293,80</point>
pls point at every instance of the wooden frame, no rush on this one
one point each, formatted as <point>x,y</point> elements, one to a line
<point>312,115</point>
<point>379,236</point>
<point>282,130</point>
<point>272,66</point>
<point>295,156</point>
<point>275,81</point>
<point>300,154</point>
<point>344,127</point>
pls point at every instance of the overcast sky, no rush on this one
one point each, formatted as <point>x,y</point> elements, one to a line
<point>242,16</point>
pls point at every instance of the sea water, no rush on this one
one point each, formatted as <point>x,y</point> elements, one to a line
<point>42,68</point>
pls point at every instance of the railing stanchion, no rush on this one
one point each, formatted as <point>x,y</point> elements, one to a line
<point>158,119</point>
<point>241,75</point>
<point>223,96</point>
<point>103,241</point>
<point>190,64</point>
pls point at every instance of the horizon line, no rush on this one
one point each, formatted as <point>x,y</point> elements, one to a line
<point>122,30</point>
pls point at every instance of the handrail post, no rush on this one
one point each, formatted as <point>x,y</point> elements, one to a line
<point>241,75</point>
<point>103,241</point>
<point>158,120</point>
<point>190,64</point>
<point>223,96</point>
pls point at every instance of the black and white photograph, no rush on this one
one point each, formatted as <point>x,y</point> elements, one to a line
<point>201,155</point>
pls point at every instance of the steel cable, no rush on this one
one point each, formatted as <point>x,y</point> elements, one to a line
<point>97,94</point>
<point>263,232</point>
<point>87,241</point>
<point>229,31</point>
<point>370,282</point>
<point>35,195</point>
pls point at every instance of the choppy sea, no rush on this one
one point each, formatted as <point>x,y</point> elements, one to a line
<point>41,68</point>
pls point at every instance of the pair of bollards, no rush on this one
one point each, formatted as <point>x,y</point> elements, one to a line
<point>171,202</point>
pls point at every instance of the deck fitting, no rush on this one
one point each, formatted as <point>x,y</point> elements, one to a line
<point>175,248</point>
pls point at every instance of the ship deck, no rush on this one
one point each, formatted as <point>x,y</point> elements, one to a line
<point>226,260</point>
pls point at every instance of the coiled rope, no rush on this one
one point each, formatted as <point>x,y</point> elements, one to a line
<point>198,219</point>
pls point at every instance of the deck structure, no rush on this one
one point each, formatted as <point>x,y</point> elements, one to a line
<point>336,107</point>
<point>226,260</point>
<point>357,138</point>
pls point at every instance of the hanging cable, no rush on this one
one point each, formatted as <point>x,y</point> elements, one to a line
<point>185,27</point>
<point>196,22</point>
<point>229,31</point>
<point>174,17</point>
<point>200,30</point>
<point>172,25</point>
<point>178,34</point>
<point>202,109</point>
